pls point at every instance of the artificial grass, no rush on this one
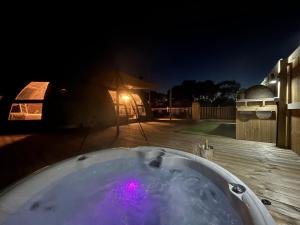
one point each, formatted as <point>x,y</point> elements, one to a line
<point>218,128</point>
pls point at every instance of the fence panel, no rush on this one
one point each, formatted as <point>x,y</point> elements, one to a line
<point>219,113</point>
<point>222,113</point>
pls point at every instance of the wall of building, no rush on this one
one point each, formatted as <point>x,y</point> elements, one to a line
<point>294,91</point>
<point>287,75</point>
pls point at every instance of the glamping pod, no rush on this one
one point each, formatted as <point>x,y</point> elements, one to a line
<point>85,103</point>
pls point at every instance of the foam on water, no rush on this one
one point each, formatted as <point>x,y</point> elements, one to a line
<point>129,191</point>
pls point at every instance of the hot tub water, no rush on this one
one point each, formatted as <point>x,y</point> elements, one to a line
<point>129,191</point>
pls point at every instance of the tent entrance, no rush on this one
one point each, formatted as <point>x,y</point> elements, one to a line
<point>130,105</point>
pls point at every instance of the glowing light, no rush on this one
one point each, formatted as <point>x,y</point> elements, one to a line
<point>132,186</point>
<point>273,81</point>
<point>33,91</point>
<point>125,97</point>
<point>129,192</point>
<point>127,202</point>
<point>279,66</point>
<point>31,110</point>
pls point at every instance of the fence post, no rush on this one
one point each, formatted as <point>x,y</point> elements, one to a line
<point>195,111</point>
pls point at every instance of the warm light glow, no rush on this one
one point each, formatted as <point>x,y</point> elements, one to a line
<point>273,81</point>
<point>129,104</point>
<point>30,110</point>
<point>33,91</point>
<point>125,97</point>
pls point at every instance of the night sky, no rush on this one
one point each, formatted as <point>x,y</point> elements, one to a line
<point>166,44</point>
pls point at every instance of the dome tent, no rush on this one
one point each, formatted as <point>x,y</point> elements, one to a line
<point>77,105</point>
<point>82,103</point>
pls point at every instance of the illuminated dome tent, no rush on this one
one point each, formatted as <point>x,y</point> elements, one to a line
<point>87,103</point>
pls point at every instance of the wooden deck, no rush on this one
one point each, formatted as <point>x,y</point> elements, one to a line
<point>271,172</point>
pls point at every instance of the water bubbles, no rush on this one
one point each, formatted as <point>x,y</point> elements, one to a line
<point>131,192</point>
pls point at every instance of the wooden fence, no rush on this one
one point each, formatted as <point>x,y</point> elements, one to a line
<point>177,112</point>
<point>256,120</point>
<point>219,113</point>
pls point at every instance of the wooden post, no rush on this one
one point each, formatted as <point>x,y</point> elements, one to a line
<point>118,104</point>
<point>149,98</point>
<point>282,106</point>
<point>288,100</point>
<point>170,103</point>
<point>195,111</point>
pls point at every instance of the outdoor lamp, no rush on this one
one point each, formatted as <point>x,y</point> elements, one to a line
<point>273,79</point>
<point>125,97</point>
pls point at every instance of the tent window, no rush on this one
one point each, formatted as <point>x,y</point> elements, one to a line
<point>15,108</point>
<point>139,104</point>
<point>34,91</point>
<point>21,111</point>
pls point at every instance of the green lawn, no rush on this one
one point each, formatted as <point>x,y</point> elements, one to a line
<point>220,128</point>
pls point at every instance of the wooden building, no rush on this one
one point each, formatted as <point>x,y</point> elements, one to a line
<point>284,80</point>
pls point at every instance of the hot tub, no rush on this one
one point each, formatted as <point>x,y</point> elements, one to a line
<point>143,185</point>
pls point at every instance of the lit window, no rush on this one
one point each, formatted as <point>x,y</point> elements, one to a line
<point>34,91</point>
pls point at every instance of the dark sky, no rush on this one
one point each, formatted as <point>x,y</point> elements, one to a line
<point>166,44</point>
